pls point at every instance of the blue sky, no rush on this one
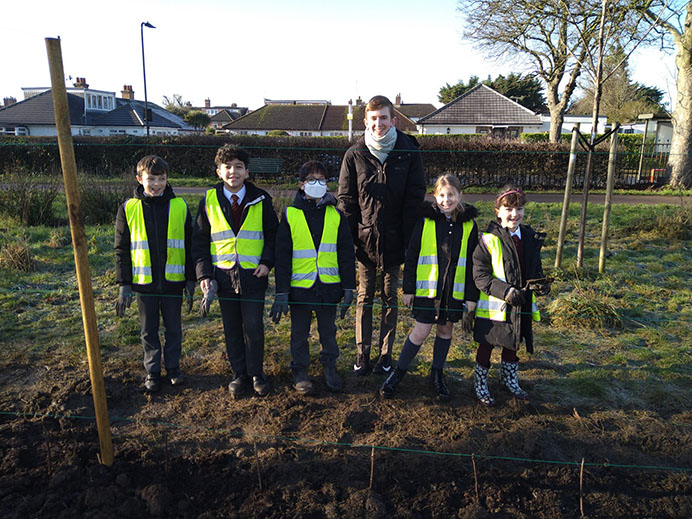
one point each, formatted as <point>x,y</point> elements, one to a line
<point>244,51</point>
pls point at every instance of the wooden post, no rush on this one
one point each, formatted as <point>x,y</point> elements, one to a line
<point>568,193</point>
<point>642,151</point>
<point>86,294</point>
<point>612,158</point>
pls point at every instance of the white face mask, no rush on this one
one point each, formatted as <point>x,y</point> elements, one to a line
<point>316,190</point>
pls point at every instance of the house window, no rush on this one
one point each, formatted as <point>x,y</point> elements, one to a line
<point>483,130</point>
<point>306,134</point>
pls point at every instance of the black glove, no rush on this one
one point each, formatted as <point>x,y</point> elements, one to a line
<point>279,308</point>
<point>124,301</point>
<point>189,294</point>
<point>515,297</point>
<point>207,297</point>
<point>346,303</point>
<point>540,287</point>
<point>469,317</point>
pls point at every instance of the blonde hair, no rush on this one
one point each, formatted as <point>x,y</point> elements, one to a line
<point>449,181</point>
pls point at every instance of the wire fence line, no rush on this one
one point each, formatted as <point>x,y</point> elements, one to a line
<point>349,445</point>
<point>637,319</point>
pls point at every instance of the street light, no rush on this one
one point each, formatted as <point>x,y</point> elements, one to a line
<point>144,71</point>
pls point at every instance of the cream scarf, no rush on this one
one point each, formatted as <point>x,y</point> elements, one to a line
<point>380,148</point>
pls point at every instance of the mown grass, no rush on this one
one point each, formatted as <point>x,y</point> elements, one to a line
<point>622,339</point>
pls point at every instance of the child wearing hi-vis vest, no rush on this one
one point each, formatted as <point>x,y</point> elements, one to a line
<point>233,250</point>
<point>152,254</point>
<point>315,269</point>
<point>438,280</point>
<point>508,272</point>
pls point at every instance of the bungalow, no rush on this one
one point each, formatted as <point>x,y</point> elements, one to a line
<point>307,119</point>
<point>92,112</point>
<point>481,110</point>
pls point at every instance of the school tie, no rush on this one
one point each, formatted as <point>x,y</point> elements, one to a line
<point>235,211</point>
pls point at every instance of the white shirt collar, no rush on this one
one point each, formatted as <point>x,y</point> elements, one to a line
<point>516,233</point>
<point>240,194</point>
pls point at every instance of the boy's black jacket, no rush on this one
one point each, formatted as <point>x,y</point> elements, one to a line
<point>236,280</point>
<point>314,215</point>
<point>448,249</point>
<point>156,221</point>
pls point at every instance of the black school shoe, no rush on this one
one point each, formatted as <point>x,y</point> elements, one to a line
<point>383,366</point>
<point>362,365</point>
<point>175,376</point>
<point>238,386</point>
<point>260,386</point>
<point>152,383</point>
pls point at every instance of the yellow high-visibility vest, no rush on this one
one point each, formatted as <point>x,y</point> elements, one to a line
<point>428,270</point>
<point>226,248</point>
<point>139,242</point>
<point>308,263</point>
<point>490,307</point>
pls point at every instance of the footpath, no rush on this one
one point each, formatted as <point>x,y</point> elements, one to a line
<point>544,198</point>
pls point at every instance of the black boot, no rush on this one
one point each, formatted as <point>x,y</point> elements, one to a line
<point>332,378</point>
<point>438,381</point>
<point>389,387</point>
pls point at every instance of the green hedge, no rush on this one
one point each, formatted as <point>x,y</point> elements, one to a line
<point>476,159</point>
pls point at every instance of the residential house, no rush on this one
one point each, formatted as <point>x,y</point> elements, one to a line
<point>92,112</point>
<point>413,111</point>
<point>307,119</point>
<point>481,110</point>
<point>570,121</point>
<point>222,115</point>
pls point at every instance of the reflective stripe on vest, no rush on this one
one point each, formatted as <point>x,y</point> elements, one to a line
<point>428,271</point>
<point>490,307</point>
<point>225,247</point>
<point>139,242</point>
<point>308,263</point>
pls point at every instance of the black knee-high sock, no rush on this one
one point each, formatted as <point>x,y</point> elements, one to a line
<point>408,353</point>
<point>440,351</point>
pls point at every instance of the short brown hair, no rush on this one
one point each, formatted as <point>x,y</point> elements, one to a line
<point>510,196</point>
<point>378,103</point>
<point>229,152</point>
<point>152,165</point>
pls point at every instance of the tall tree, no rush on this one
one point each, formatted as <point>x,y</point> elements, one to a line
<point>526,90</point>
<point>198,119</point>
<point>676,21</point>
<point>553,38</point>
<point>622,99</point>
<point>176,105</point>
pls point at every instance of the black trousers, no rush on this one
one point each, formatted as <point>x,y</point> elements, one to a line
<point>301,318</point>
<point>243,328</point>
<point>152,308</point>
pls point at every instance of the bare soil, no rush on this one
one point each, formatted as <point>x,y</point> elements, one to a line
<point>193,452</point>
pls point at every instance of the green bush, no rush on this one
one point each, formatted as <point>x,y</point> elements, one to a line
<point>99,202</point>
<point>28,198</point>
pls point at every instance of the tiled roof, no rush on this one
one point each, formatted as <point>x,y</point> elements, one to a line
<point>482,105</point>
<point>318,117</point>
<point>38,110</point>
<point>415,109</point>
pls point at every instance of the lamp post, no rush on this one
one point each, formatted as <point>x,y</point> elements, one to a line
<point>144,71</point>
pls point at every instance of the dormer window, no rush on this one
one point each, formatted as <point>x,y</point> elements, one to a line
<point>100,101</point>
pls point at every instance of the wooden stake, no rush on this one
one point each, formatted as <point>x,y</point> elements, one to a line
<point>610,183</point>
<point>475,478</point>
<point>86,294</point>
<point>372,465</point>
<point>257,465</point>
<point>581,488</point>
<point>568,193</point>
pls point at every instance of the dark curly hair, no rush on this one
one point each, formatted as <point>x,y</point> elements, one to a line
<point>229,152</point>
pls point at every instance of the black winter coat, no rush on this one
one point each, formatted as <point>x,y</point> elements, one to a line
<point>155,211</point>
<point>320,292</point>
<point>448,234</point>
<point>381,201</point>
<point>518,325</point>
<point>236,280</point>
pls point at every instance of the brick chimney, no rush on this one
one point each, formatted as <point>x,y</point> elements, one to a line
<point>207,103</point>
<point>127,92</point>
<point>7,101</point>
<point>81,83</point>
<point>359,101</point>
<point>397,100</point>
